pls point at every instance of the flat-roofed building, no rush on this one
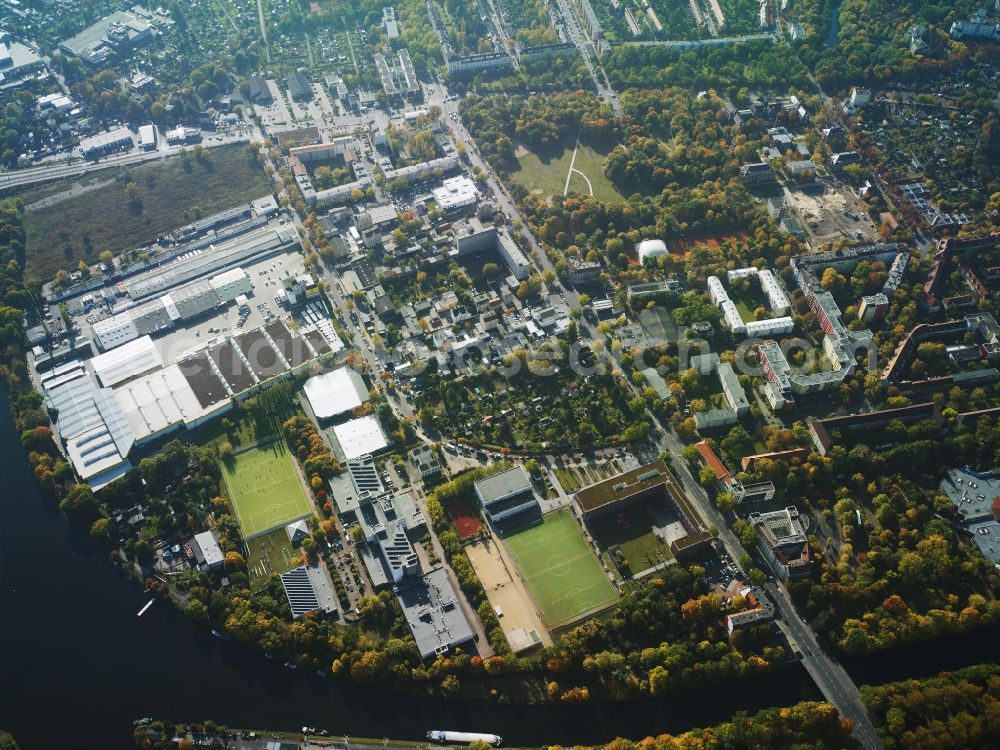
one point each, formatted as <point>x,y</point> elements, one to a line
<point>98,145</point>
<point>506,494</point>
<point>433,614</point>
<point>456,192</point>
<point>207,552</point>
<point>147,137</point>
<point>782,540</point>
<point>359,436</point>
<point>110,37</point>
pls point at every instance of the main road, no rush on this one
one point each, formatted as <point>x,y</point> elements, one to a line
<point>832,680</point>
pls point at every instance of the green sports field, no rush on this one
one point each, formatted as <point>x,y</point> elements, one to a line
<point>264,489</point>
<point>559,568</point>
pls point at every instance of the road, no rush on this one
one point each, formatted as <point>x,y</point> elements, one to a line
<point>578,36</point>
<point>831,679</point>
<point>55,171</point>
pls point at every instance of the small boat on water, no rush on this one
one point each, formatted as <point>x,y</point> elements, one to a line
<point>142,611</point>
<point>291,664</point>
<point>464,738</point>
<point>220,634</point>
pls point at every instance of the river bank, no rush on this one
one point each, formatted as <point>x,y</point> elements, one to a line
<point>78,658</point>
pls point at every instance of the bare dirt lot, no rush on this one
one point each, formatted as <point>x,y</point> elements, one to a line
<point>829,214</point>
<point>507,593</point>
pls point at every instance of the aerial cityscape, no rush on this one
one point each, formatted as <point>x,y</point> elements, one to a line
<point>610,374</point>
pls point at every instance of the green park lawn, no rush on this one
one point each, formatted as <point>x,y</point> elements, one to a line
<point>61,233</point>
<point>545,173</point>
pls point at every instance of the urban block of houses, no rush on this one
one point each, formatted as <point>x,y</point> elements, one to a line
<point>823,431</point>
<point>644,483</point>
<point>738,404</point>
<point>759,609</point>
<point>756,328</point>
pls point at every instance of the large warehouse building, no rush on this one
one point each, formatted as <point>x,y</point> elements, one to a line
<point>142,401</point>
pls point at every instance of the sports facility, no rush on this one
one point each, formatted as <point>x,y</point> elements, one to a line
<point>564,577</point>
<point>264,489</point>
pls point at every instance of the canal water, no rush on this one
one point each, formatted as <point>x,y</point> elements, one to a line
<point>78,662</point>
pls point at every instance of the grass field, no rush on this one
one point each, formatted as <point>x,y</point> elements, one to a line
<point>269,553</point>
<point>631,530</point>
<point>264,489</point>
<point>545,173</point>
<point>563,575</point>
<point>77,223</point>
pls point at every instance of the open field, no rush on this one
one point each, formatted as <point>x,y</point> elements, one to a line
<point>545,173</point>
<point>506,591</point>
<point>61,233</point>
<point>264,488</point>
<point>269,553</point>
<point>562,573</point>
<point>632,530</point>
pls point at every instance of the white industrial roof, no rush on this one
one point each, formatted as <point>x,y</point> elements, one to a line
<point>228,277</point>
<point>456,192</point>
<point>360,436</point>
<point>158,401</point>
<point>126,361</point>
<point>335,392</point>
<point>209,548</point>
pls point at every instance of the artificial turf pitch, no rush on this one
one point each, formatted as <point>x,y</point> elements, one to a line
<point>264,489</point>
<point>563,575</point>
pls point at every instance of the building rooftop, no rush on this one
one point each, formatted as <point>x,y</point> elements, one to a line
<point>211,552</point>
<point>360,436</point>
<point>126,362</point>
<point>623,486</point>
<point>335,392</point>
<point>780,527</point>
<point>307,590</point>
<point>975,494</point>
<point>433,614</point>
<point>503,485</point>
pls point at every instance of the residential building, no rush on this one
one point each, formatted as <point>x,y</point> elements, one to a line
<point>583,272</point>
<point>759,609</point>
<point>425,461</point>
<point>757,173</point>
<point>873,307</point>
<point>840,160</point>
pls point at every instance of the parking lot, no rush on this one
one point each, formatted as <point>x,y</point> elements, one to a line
<point>266,278</point>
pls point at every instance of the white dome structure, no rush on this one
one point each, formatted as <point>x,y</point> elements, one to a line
<point>651,249</point>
